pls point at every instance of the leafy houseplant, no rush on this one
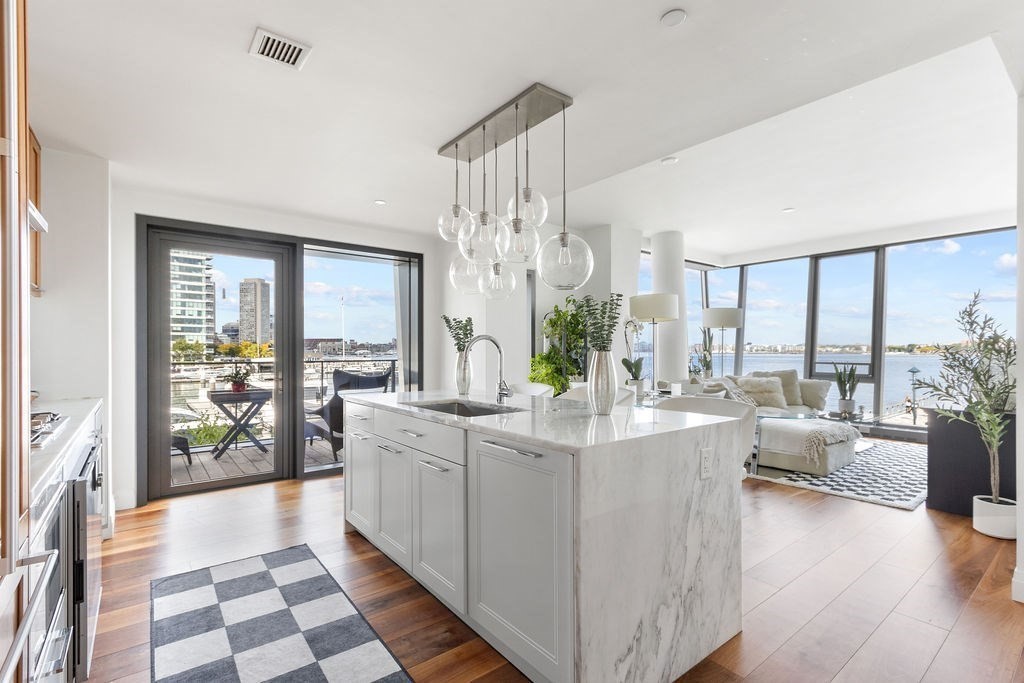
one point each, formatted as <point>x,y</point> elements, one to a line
<point>700,364</point>
<point>977,382</point>
<point>461,332</point>
<point>239,377</point>
<point>600,318</point>
<point>846,382</point>
<point>566,352</point>
<point>634,364</point>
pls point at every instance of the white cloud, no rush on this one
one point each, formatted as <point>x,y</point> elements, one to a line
<point>991,297</point>
<point>1006,263</point>
<point>898,247</point>
<point>758,285</point>
<point>765,304</point>
<point>947,247</point>
<point>319,288</point>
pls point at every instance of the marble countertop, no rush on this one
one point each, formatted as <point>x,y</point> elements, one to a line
<point>543,421</point>
<point>54,454</point>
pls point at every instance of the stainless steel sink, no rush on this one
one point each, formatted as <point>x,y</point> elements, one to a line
<point>465,408</point>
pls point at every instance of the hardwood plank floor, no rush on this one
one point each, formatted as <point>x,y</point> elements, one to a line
<point>834,589</point>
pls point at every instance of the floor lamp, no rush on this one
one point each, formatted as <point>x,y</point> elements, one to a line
<point>654,309</point>
<point>723,319</point>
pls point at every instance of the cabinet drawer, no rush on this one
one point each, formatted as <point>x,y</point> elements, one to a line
<point>358,416</point>
<point>440,441</point>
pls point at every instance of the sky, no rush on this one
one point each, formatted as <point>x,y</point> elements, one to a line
<point>367,286</point>
<point>928,283</point>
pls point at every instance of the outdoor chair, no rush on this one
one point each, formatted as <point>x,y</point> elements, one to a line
<point>328,421</point>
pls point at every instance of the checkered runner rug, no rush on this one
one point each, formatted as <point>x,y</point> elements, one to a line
<point>274,617</point>
<point>892,473</point>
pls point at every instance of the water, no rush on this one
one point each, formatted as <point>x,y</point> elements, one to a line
<point>897,379</point>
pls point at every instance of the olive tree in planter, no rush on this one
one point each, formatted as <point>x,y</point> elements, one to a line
<point>975,386</point>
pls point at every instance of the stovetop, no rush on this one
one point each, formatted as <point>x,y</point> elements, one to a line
<point>44,426</point>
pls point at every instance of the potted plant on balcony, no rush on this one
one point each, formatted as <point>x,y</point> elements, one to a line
<point>634,364</point>
<point>600,318</point>
<point>461,332</point>
<point>846,382</point>
<point>238,377</point>
<point>976,385</point>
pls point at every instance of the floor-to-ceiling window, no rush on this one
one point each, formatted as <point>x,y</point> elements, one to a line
<point>927,284</point>
<point>775,316</point>
<point>723,292</point>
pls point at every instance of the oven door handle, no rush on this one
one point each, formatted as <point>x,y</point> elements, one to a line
<point>57,665</point>
<point>49,560</point>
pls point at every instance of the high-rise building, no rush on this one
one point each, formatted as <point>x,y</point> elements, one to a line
<point>193,298</point>
<point>229,331</point>
<point>254,310</point>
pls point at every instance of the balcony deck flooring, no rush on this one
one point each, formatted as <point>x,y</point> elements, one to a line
<point>240,461</point>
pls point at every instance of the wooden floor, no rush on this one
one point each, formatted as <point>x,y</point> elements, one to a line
<point>834,589</point>
<point>240,461</point>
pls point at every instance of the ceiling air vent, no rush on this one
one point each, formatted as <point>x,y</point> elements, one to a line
<point>279,49</point>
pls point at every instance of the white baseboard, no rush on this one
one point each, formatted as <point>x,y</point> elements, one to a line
<point>1018,584</point>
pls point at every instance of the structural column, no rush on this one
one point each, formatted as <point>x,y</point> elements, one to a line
<point>668,266</point>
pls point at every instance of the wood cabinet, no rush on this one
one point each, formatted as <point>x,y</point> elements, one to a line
<point>34,179</point>
<point>392,532</point>
<point>360,480</point>
<point>439,528</point>
<point>521,550</point>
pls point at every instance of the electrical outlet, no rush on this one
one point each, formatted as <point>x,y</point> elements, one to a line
<point>705,463</point>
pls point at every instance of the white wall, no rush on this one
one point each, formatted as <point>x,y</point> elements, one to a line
<point>126,202</point>
<point>69,322</point>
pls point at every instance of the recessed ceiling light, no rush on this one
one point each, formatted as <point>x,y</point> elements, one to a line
<point>789,209</point>
<point>668,161</point>
<point>673,17</point>
<point>380,202</point>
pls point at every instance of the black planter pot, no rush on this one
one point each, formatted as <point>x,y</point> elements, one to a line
<point>958,465</point>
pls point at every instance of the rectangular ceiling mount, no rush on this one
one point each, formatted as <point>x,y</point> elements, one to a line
<point>277,48</point>
<point>536,104</point>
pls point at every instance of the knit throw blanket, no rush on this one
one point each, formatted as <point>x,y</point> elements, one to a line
<point>809,438</point>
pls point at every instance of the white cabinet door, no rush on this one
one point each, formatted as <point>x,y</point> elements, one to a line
<point>393,529</point>
<point>520,550</point>
<point>361,481</point>
<point>439,528</point>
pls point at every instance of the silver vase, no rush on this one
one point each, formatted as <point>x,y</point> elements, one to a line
<point>463,373</point>
<point>601,383</point>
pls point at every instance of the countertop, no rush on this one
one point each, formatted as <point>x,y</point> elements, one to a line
<point>44,461</point>
<point>546,422</point>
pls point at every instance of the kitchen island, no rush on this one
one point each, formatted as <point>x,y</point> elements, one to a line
<point>582,547</point>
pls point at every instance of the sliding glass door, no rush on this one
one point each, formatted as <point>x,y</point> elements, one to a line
<point>218,362</point>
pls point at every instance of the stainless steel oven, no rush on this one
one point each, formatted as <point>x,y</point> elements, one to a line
<point>85,517</point>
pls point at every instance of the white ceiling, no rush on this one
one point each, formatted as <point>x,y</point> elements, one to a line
<point>167,93</point>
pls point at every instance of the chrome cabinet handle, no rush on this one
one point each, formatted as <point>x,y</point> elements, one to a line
<point>387,448</point>
<point>358,417</point>
<point>436,468</point>
<point>49,558</point>
<point>412,434</point>
<point>357,436</point>
<point>528,454</point>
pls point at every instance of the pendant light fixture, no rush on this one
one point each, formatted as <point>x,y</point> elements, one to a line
<point>497,282</point>
<point>565,261</point>
<point>452,218</point>
<point>462,273</point>
<point>534,205</point>
<point>524,240</point>
<point>480,239</point>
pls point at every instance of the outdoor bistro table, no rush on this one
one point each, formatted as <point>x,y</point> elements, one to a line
<point>240,420</point>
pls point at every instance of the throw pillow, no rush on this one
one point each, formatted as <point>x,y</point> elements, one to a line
<point>735,393</point>
<point>790,384</point>
<point>766,391</point>
<point>815,392</point>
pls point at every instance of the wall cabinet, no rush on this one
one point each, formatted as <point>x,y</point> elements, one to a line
<point>439,528</point>
<point>520,550</point>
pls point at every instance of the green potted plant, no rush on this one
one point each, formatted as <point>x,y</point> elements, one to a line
<point>564,358</point>
<point>634,364</point>
<point>600,318</point>
<point>238,377</point>
<point>975,386</point>
<point>700,362</point>
<point>846,382</point>
<point>461,331</point>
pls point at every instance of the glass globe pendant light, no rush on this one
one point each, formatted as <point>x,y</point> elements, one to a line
<point>482,240</point>
<point>533,204</point>
<point>565,261</point>
<point>524,241</point>
<point>497,282</point>
<point>452,218</point>
<point>464,275</point>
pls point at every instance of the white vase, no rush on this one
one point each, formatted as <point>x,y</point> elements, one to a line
<point>463,373</point>
<point>998,520</point>
<point>639,386</point>
<point>601,383</point>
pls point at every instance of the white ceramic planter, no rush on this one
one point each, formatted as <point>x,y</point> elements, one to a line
<point>996,520</point>
<point>847,405</point>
